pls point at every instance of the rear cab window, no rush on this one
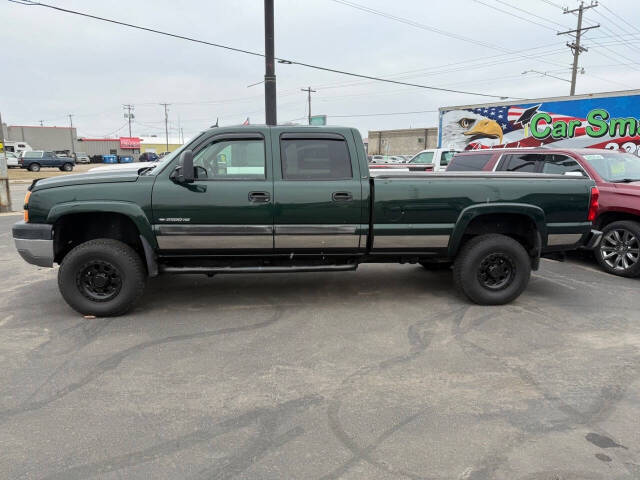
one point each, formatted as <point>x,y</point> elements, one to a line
<point>33,154</point>
<point>469,163</point>
<point>315,159</point>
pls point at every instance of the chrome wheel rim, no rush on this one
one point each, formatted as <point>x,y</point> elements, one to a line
<point>620,249</point>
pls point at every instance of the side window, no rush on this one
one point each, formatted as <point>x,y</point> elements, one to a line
<point>315,159</point>
<point>522,162</point>
<point>229,159</point>
<point>423,158</point>
<point>469,163</point>
<point>561,164</point>
<point>446,158</point>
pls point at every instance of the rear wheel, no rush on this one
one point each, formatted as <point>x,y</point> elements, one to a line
<point>102,277</point>
<point>34,167</point>
<point>492,269</point>
<point>619,250</point>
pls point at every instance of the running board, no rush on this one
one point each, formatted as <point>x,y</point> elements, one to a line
<point>294,269</point>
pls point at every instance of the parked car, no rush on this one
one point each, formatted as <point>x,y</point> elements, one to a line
<point>148,157</point>
<point>431,160</point>
<point>82,157</point>
<point>617,176</point>
<point>211,208</point>
<point>12,159</point>
<point>34,160</point>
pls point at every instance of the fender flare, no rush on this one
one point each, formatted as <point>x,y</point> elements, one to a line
<point>533,212</point>
<point>128,209</point>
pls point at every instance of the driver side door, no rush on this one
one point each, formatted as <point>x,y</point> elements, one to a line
<point>228,208</point>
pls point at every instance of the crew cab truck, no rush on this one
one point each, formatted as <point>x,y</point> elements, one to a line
<point>293,199</point>
<point>34,160</point>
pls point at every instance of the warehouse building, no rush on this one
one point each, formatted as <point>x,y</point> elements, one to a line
<point>401,142</point>
<point>57,139</point>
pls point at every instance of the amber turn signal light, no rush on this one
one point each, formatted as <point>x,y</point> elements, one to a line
<point>26,206</point>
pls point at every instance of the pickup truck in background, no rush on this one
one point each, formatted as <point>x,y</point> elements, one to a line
<point>259,199</point>
<point>34,160</point>
<point>616,174</point>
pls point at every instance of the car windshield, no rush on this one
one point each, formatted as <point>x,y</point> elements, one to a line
<point>614,166</point>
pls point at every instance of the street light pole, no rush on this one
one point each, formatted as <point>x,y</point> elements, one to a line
<point>271,116</point>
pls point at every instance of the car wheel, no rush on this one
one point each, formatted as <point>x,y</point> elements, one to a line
<point>492,269</point>
<point>430,265</point>
<point>619,250</point>
<point>34,167</point>
<point>102,277</point>
<point>67,167</point>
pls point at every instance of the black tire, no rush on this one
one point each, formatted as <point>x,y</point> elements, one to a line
<point>34,167</point>
<point>619,250</point>
<point>436,265</point>
<point>492,269</point>
<point>67,167</point>
<point>102,277</point>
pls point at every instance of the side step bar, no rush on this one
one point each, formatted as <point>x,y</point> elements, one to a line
<point>294,269</point>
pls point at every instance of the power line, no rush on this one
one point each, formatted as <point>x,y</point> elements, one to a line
<point>381,114</point>
<point>493,7</point>
<point>619,17</point>
<point>252,53</point>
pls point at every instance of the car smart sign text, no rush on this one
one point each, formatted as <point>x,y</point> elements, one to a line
<point>598,124</point>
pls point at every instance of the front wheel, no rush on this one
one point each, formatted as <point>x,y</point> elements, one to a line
<point>67,167</point>
<point>492,269</point>
<point>102,277</point>
<point>619,250</point>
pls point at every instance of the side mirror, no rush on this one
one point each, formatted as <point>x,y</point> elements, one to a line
<point>185,172</point>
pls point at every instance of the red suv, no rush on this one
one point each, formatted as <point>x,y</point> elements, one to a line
<point>616,174</point>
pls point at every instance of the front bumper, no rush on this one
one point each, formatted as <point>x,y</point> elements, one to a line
<point>34,242</point>
<point>593,240</point>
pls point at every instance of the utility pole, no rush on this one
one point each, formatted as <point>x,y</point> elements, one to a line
<point>270,112</point>
<point>5,193</point>
<point>309,92</point>
<point>73,148</point>
<point>575,46</point>
<point>166,124</point>
<point>129,115</point>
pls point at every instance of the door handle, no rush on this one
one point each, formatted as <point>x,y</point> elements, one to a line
<point>341,196</point>
<point>259,197</point>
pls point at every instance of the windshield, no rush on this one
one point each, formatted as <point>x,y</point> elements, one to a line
<point>614,166</point>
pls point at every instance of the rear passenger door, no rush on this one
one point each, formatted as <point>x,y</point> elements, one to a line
<point>318,196</point>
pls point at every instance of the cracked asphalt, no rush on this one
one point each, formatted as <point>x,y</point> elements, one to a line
<point>383,373</point>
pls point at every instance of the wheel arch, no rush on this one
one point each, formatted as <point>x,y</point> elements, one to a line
<point>524,223</point>
<point>81,221</point>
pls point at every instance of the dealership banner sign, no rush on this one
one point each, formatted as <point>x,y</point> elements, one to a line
<point>129,143</point>
<point>596,122</point>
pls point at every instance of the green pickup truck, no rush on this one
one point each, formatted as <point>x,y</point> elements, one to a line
<point>257,199</point>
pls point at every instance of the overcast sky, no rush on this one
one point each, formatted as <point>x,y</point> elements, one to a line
<point>56,63</point>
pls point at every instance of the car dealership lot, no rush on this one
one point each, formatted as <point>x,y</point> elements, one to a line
<point>381,373</point>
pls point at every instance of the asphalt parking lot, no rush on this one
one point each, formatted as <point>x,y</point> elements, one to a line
<point>383,373</point>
